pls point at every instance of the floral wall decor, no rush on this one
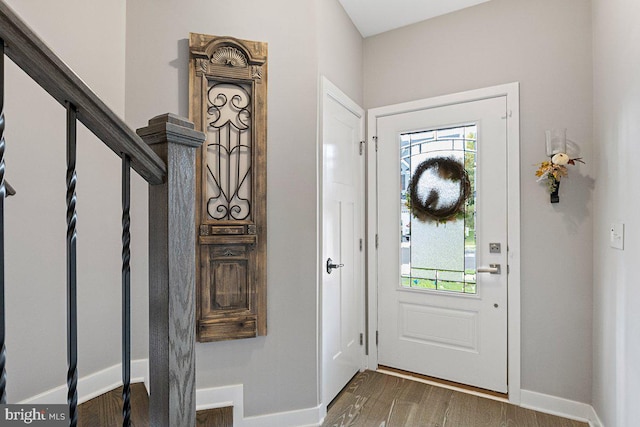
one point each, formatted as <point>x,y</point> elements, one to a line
<point>555,168</point>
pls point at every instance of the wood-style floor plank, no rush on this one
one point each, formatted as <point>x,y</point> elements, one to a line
<point>546,420</point>
<point>106,411</point>
<point>462,410</point>
<point>406,406</point>
<point>517,416</point>
<point>490,413</point>
<point>379,394</point>
<point>434,406</point>
<point>373,399</point>
<point>218,417</point>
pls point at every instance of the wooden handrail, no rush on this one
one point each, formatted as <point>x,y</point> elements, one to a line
<point>36,59</point>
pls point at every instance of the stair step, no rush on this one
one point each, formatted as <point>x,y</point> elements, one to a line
<point>106,411</point>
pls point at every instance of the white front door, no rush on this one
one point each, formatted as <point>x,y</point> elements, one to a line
<point>442,271</point>
<point>342,260</point>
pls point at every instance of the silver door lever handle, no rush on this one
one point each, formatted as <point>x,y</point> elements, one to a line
<point>492,269</point>
<point>331,265</point>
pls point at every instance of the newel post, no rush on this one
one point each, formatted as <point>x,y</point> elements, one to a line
<point>172,273</point>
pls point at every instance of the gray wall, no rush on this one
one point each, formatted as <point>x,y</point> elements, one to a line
<point>546,46</point>
<point>35,218</point>
<point>616,361</point>
<point>340,49</point>
<point>279,371</point>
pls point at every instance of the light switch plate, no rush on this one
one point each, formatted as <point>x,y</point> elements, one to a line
<point>616,235</point>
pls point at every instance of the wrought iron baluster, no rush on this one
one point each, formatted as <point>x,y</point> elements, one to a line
<point>126,291</point>
<point>72,311</point>
<point>3,358</point>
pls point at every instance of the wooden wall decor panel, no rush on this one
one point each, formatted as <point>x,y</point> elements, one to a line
<point>228,93</point>
<point>231,277</point>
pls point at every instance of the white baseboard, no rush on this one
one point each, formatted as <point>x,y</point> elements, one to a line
<point>93,385</point>
<point>101,382</point>
<point>221,397</point>
<point>594,419</point>
<point>309,417</point>
<point>233,395</point>
<point>106,380</point>
<point>561,407</point>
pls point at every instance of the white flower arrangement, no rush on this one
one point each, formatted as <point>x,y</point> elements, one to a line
<point>554,169</point>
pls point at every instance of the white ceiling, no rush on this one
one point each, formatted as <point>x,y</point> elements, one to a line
<point>377,16</point>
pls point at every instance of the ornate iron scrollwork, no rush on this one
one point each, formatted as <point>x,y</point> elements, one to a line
<point>229,152</point>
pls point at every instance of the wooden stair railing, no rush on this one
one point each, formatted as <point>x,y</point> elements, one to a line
<point>164,155</point>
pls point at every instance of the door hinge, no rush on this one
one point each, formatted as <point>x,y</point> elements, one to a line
<point>507,268</point>
<point>376,337</point>
<point>362,147</point>
<point>377,242</point>
<point>360,245</point>
<point>361,338</point>
<point>375,139</point>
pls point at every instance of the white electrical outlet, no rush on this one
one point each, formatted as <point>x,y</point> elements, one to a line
<point>616,235</point>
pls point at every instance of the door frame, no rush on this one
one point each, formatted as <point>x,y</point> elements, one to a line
<point>511,92</point>
<point>328,89</point>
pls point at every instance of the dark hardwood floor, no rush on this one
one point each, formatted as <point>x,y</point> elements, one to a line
<point>106,411</point>
<point>373,399</point>
<point>219,417</point>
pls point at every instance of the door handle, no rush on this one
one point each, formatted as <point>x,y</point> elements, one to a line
<point>331,265</point>
<point>492,269</point>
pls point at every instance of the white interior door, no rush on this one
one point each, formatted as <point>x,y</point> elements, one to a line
<point>342,230</point>
<point>442,302</point>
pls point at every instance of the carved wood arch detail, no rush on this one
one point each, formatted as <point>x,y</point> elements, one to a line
<point>228,56</point>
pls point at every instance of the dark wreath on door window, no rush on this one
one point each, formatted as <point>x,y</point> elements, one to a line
<point>426,203</point>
